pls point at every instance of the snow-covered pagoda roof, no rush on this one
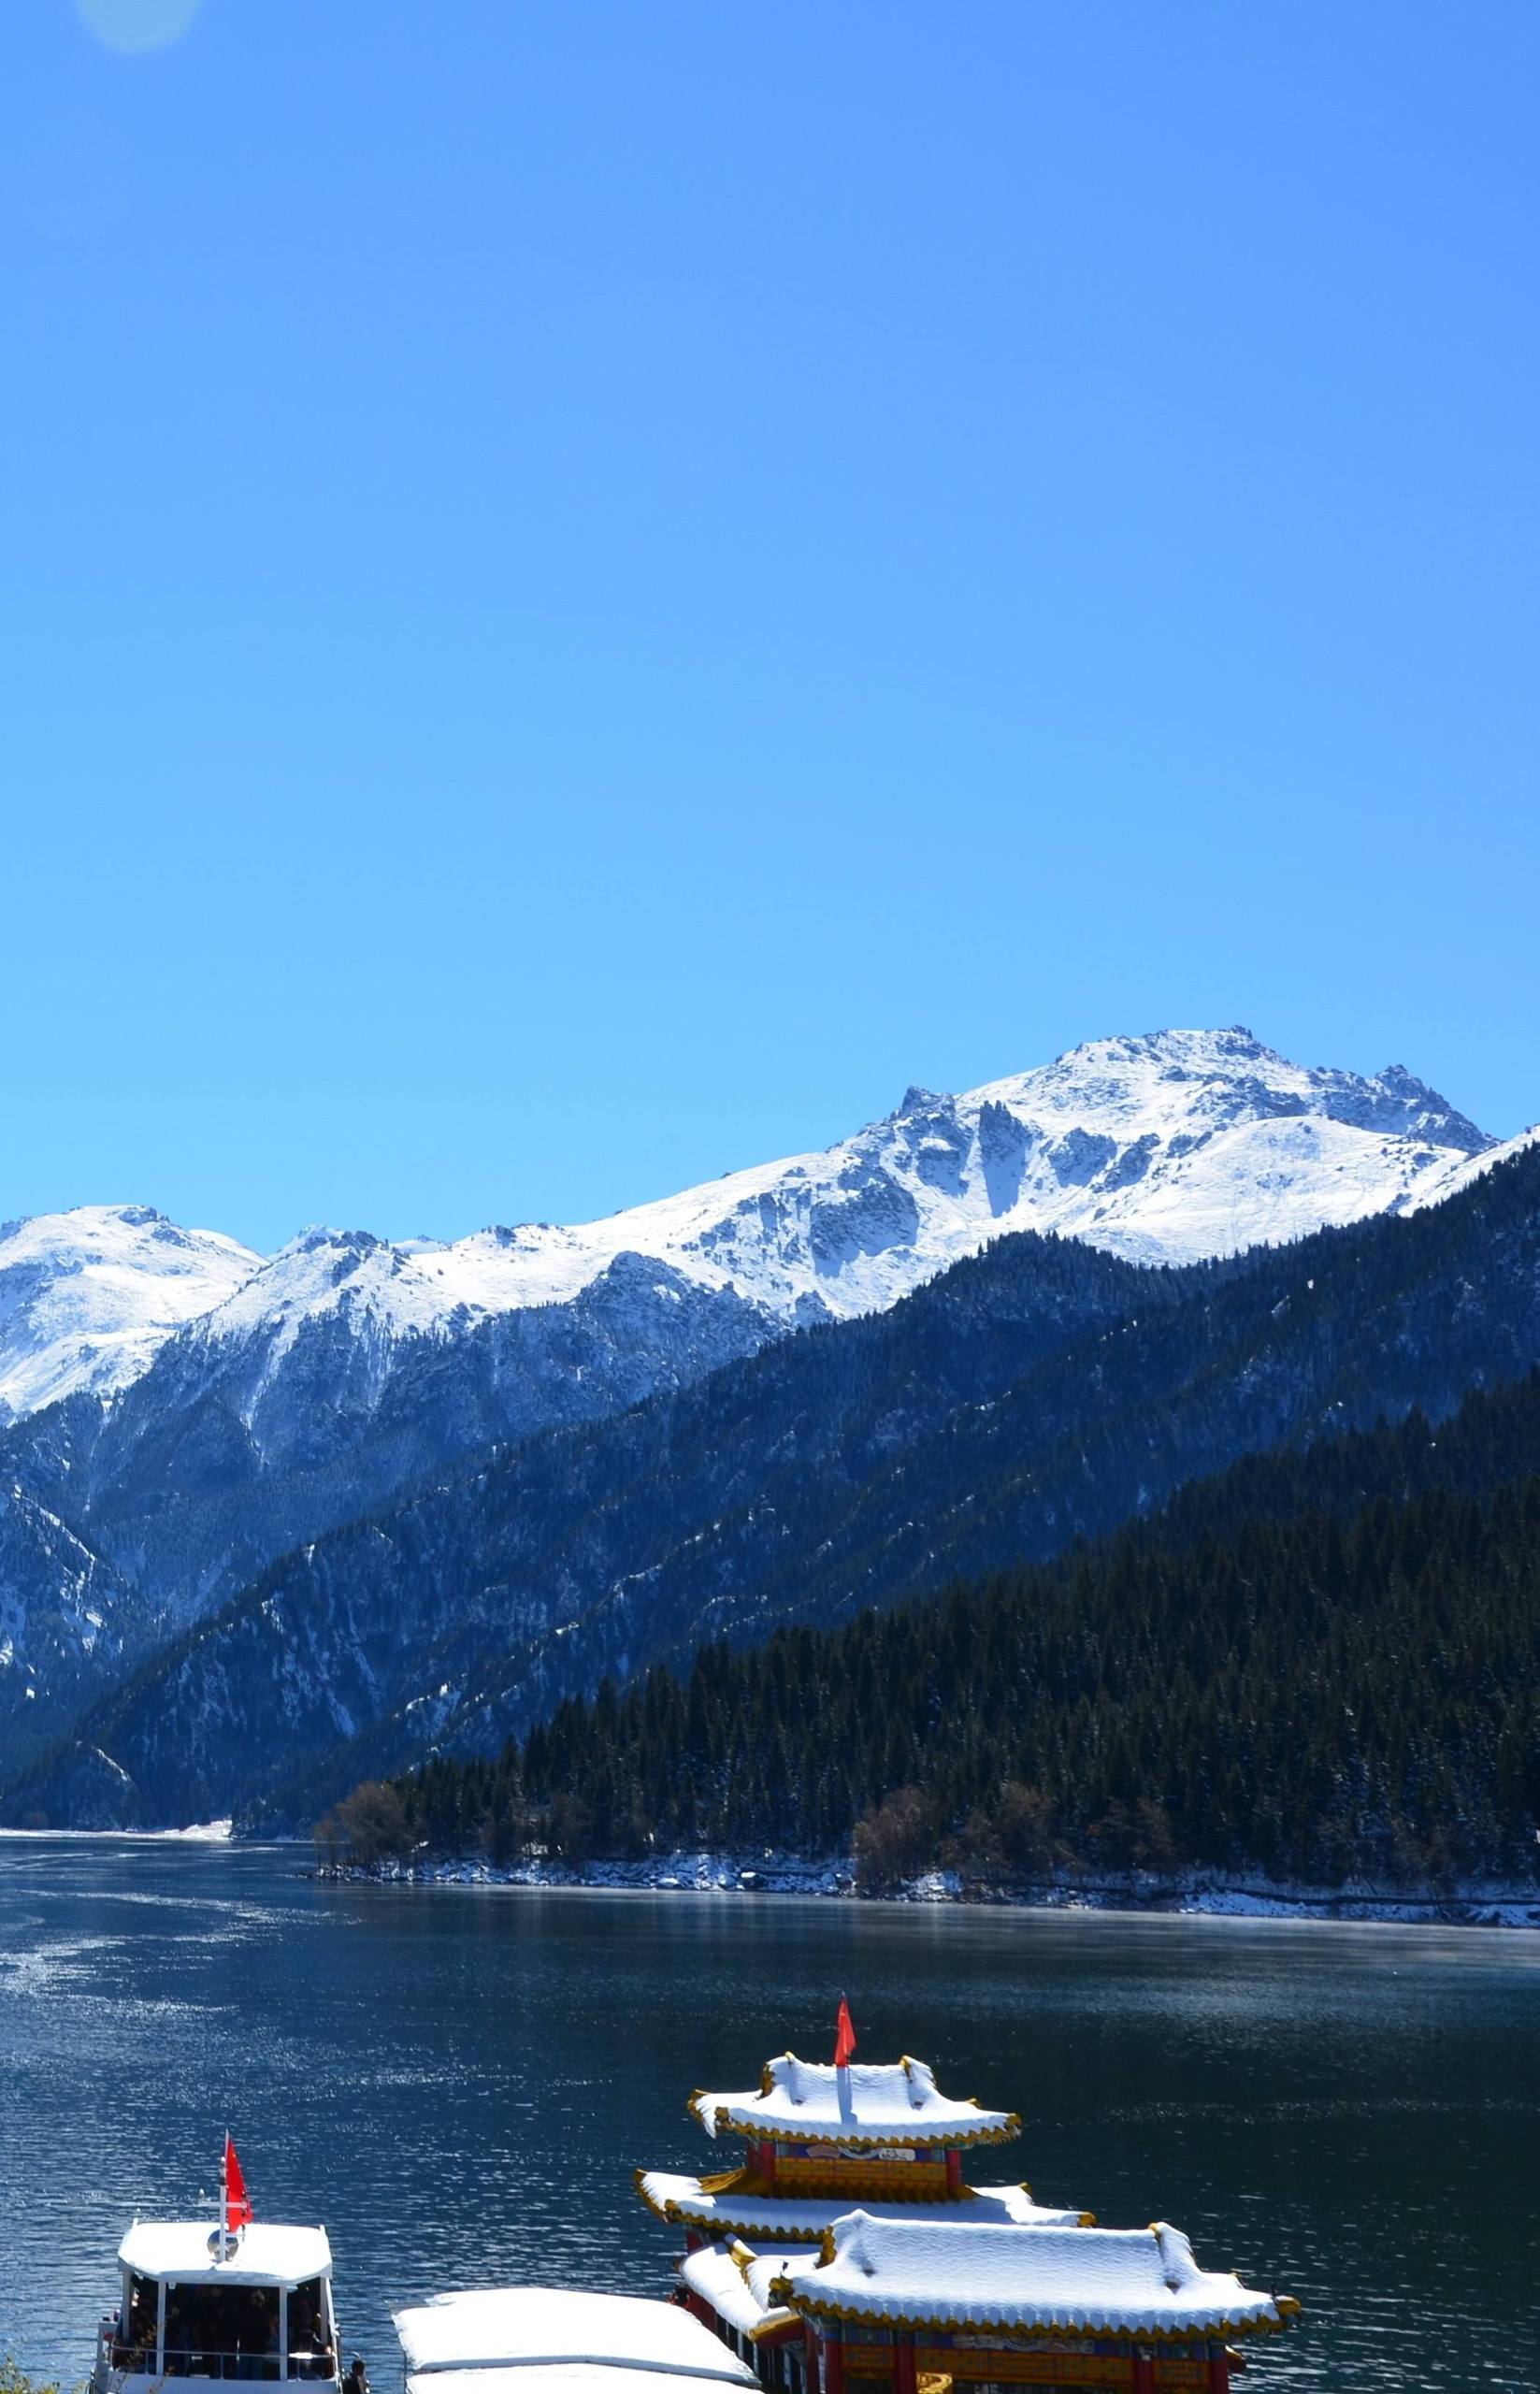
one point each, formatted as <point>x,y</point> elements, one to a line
<point>518,2328</point>
<point>741,2206</point>
<point>869,2104</point>
<point>1080,2282</point>
<point>736,2284</point>
<point>185,2250</point>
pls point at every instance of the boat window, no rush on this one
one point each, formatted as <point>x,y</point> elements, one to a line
<point>134,2344</point>
<point>221,2331</point>
<point>310,2352</point>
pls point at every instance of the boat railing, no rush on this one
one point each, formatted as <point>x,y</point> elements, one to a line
<point>200,2361</point>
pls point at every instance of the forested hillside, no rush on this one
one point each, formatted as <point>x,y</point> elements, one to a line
<point>1034,1395</point>
<point>1318,1666</point>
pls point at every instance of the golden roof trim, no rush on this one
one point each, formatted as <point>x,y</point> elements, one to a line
<point>937,2139</point>
<point>1287,2305</point>
<point>774,2323</point>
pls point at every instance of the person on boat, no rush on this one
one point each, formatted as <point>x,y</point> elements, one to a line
<point>259,2345</point>
<point>323,2361</point>
<point>306,2339</point>
<point>356,2380</point>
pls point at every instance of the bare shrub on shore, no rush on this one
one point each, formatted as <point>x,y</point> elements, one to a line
<point>370,1825</point>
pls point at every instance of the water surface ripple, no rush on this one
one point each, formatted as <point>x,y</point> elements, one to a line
<point>459,2082</point>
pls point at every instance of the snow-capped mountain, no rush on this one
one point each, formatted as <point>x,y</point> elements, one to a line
<point>220,1411</point>
<point>1163,1148</point>
<point>88,1297</point>
<point>1035,1395</point>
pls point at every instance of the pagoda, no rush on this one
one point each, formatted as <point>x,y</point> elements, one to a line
<point>849,2246</point>
<point>823,2140</point>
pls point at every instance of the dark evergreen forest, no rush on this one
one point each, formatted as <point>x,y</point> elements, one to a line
<point>1317,1665</point>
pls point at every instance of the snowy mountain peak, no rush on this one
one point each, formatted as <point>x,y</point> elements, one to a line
<point>87,1297</point>
<point>1222,1078</point>
<point>1164,1146</point>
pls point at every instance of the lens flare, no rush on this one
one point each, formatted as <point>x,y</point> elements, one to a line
<point>138,24</point>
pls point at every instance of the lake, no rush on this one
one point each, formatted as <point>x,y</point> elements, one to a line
<point>459,2082</point>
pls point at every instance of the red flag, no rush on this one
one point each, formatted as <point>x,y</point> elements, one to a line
<point>844,2036</point>
<point>237,2203</point>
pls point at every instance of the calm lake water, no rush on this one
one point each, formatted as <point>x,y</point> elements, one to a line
<point>459,2082</point>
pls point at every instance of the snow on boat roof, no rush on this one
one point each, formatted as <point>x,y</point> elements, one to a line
<point>264,2254</point>
<point>870,2103</point>
<point>737,2285</point>
<point>558,2377</point>
<point>1085,2281</point>
<point>509,2328</point>
<point>749,2211</point>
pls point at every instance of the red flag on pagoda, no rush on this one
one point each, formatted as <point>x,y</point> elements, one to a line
<point>237,2205</point>
<point>844,2036</point>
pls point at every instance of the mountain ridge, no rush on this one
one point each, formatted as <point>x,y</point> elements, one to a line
<point>186,1450</point>
<point>842,1467</point>
<point>1162,1147</point>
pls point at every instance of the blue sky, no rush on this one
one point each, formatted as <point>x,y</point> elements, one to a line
<point>589,589</point>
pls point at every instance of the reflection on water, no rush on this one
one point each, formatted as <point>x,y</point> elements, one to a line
<point>459,2082</point>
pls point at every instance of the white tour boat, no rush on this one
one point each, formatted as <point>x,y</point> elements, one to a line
<point>243,2299</point>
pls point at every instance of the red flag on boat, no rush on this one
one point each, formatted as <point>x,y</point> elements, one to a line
<point>844,2036</point>
<point>238,2207</point>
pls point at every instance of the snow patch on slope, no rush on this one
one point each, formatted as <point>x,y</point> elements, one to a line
<point>1458,1174</point>
<point>87,1297</point>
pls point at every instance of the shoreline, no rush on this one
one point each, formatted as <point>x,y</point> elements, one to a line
<point>200,1833</point>
<point>1200,1894</point>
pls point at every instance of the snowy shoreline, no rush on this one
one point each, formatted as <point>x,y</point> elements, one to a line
<point>199,1833</point>
<point>1196,1894</point>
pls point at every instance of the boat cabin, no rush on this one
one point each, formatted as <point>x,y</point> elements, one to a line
<point>254,2306</point>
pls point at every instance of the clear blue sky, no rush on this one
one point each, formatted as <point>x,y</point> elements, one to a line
<point>592,586</point>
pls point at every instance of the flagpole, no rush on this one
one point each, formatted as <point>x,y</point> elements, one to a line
<point>225,2199</point>
<point>844,2045</point>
